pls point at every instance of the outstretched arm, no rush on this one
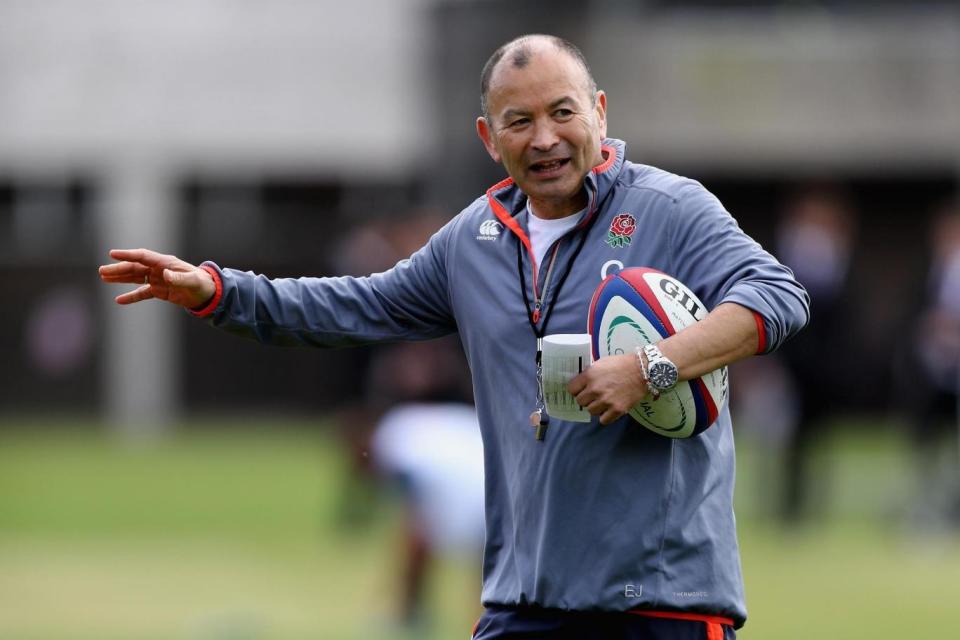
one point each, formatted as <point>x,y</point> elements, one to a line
<point>160,276</point>
<point>410,301</point>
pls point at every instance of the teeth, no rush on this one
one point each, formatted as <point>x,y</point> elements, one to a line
<point>546,166</point>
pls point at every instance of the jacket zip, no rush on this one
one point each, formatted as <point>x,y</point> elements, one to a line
<point>538,298</point>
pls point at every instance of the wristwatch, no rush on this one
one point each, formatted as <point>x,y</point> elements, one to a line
<point>662,374</point>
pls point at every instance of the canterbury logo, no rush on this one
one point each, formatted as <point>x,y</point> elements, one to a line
<point>489,230</point>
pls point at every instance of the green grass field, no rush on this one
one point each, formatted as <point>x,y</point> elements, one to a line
<point>233,533</point>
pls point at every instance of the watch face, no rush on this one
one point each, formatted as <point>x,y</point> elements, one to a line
<point>663,375</point>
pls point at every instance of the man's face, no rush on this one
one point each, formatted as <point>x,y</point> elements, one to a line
<point>545,128</point>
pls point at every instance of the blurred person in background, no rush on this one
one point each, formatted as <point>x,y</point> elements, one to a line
<point>815,237</point>
<point>374,246</point>
<point>599,530</point>
<point>415,432</point>
<point>431,454</point>
<point>932,381</point>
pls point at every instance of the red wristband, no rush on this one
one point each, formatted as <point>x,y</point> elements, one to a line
<point>761,332</point>
<point>208,308</point>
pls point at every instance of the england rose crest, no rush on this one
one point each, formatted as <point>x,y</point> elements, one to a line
<point>621,229</point>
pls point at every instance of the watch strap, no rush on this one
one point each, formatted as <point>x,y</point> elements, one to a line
<point>654,357</point>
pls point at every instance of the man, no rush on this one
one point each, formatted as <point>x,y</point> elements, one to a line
<point>431,455</point>
<point>933,410</point>
<point>604,530</point>
<point>816,239</point>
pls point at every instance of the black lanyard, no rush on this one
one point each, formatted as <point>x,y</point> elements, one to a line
<point>539,418</point>
<point>541,331</point>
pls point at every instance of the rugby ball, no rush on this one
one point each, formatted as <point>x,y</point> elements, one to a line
<point>640,306</point>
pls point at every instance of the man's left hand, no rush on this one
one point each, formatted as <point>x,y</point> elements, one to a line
<point>610,387</point>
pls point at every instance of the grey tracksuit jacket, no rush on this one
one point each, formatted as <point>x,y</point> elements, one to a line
<point>611,518</point>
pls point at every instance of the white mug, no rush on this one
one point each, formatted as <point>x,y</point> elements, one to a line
<point>564,356</point>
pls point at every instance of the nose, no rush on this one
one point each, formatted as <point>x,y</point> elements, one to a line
<point>544,136</point>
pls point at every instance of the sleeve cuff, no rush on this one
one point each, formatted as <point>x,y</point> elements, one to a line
<point>208,308</point>
<point>761,329</point>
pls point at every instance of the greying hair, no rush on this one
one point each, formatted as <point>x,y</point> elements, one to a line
<point>521,51</point>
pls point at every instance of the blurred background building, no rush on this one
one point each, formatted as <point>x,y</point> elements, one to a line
<point>299,137</point>
<point>258,133</point>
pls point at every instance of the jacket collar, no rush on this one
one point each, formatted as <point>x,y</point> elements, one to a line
<point>507,200</point>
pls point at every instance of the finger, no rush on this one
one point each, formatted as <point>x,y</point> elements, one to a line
<point>124,270</point>
<point>585,397</point>
<point>124,280</point>
<point>577,384</point>
<point>597,407</point>
<point>137,295</point>
<point>131,279</point>
<point>143,256</point>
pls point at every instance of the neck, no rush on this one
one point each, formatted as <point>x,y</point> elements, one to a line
<point>554,209</point>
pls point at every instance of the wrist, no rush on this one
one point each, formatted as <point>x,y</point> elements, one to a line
<point>662,373</point>
<point>642,365</point>
<point>206,308</point>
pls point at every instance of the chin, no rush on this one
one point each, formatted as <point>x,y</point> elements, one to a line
<point>558,189</point>
<point>557,195</point>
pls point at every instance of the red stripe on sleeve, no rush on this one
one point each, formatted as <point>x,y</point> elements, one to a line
<point>761,332</point>
<point>215,300</point>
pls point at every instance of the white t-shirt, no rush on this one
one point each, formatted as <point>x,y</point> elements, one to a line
<point>543,233</point>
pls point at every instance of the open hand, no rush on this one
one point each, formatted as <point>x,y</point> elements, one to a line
<point>610,387</point>
<point>159,276</point>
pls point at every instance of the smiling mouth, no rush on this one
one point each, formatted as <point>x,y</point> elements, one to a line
<point>549,167</point>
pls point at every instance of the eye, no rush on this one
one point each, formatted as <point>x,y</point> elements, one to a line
<point>519,122</point>
<point>563,113</point>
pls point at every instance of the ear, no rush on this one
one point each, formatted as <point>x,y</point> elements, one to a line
<point>486,136</point>
<point>602,114</point>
